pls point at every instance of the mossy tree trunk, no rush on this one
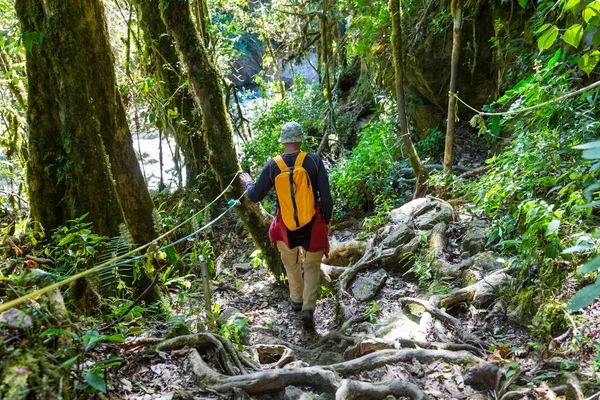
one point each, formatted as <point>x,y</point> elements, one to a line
<point>456,9</point>
<point>415,162</point>
<point>81,157</point>
<point>164,66</point>
<point>81,152</point>
<point>205,81</point>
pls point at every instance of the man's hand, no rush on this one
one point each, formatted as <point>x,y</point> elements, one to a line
<point>245,178</point>
<point>329,228</point>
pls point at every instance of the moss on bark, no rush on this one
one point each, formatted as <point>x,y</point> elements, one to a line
<point>205,81</point>
<point>80,142</point>
<point>163,64</point>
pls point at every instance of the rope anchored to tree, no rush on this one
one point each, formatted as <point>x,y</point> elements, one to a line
<point>526,109</point>
<point>125,258</point>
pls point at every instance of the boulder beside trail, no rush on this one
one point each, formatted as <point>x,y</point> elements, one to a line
<point>476,238</point>
<point>424,213</point>
<point>15,319</point>
<point>367,286</point>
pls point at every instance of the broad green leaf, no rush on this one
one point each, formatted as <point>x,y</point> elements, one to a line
<point>543,28</point>
<point>573,35</point>
<point>590,266</point>
<point>577,249</point>
<point>592,154</point>
<point>67,239</point>
<point>69,362</point>
<point>496,125</point>
<point>588,62</point>
<point>596,38</point>
<point>58,332</point>
<point>584,297</point>
<point>588,14</point>
<point>548,38</point>
<point>573,6</point>
<point>95,381</point>
<point>523,3</point>
<point>586,146</point>
<point>552,227</point>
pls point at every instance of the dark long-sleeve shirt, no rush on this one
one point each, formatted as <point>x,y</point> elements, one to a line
<point>316,172</point>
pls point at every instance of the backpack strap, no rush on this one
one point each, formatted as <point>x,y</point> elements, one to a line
<point>300,159</point>
<point>281,164</point>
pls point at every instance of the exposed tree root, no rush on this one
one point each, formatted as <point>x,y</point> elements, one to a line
<point>328,378</point>
<point>524,393</point>
<point>465,294</point>
<point>443,316</point>
<point>230,360</point>
<point>351,389</point>
<point>286,355</point>
<point>574,386</point>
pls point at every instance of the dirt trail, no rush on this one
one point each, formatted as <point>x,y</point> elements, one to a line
<point>382,334</point>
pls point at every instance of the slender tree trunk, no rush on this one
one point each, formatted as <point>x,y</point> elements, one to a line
<point>205,81</point>
<point>17,89</point>
<point>415,162</point>
<point>164,67</point>
<point>203,20</point>
<point>456,8</point>
<point>280,83</point>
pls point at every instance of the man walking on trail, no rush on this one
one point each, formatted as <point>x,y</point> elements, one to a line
<point>302,224</point>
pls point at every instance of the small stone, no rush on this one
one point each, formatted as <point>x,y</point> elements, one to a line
<point>16,319</point>
<point>229,312</point>
<point>367,286</point>
<point>482,377</point>
<point>242,267</point>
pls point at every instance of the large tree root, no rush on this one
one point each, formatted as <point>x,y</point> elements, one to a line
<point>328,378</point>
<point>443,316</point>
<point>370,345</point>
<point>232,362</point>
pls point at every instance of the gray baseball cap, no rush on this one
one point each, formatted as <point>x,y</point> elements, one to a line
<point>291,132</point>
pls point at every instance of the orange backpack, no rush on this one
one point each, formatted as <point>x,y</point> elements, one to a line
<point>295,196</point>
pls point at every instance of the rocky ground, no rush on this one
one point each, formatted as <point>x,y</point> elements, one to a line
<point>449,337</point>
<point>417,309</point>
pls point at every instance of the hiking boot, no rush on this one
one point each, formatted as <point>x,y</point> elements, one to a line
<point>295,306</point>
<point>307,319</point>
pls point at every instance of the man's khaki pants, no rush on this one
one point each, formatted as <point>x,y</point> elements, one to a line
<point>302,291</point>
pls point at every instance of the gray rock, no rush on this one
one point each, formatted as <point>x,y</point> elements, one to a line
<point>487,291</point>
<point>404,214</point>
<point>229,312</point>
<point>366,287</point>
<point>482,377</point>
<point>437,212</point>
<point>242,267</point>
<point>475,239</point>
<point>400,235</point>
<point>293,393</point>
<point>329,357</point>
<point>487,262</point>
<point>15,319</point>
<point>451,270</point>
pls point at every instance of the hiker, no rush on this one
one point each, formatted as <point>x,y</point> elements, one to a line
<point>302,224</point>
